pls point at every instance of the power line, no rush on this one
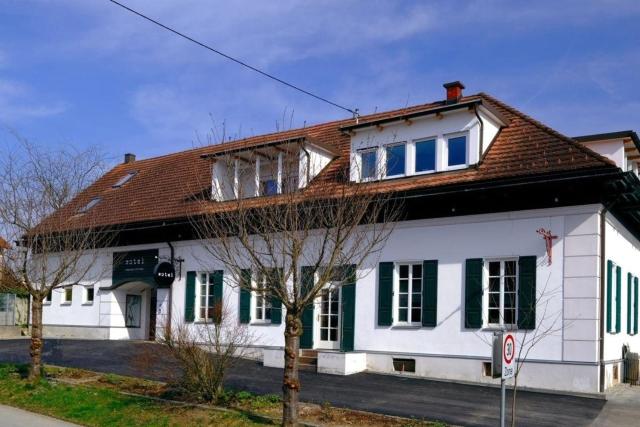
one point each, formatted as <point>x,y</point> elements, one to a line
<point>237,61</point>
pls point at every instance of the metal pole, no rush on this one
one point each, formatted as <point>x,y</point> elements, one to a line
<point>503,399</point>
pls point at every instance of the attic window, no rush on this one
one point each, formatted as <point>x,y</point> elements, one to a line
<point>90,205</point>
<point>122,181</point>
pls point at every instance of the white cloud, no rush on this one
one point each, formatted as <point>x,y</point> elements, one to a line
<point>17,102</point>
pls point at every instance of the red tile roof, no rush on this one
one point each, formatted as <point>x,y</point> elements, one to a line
<point>163,187</point>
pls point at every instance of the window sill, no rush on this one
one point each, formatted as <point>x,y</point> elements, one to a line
<point>258,323</point>
<point>407,326</point>
<point>46,303</point>
<point>65,303</point>
<point>455,167</point>
<point>499,328</point>
<point>87,303</point>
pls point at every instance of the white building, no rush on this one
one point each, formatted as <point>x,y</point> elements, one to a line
<point>480,180</point>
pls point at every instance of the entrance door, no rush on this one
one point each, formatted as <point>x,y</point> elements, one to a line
<point>329,319</point>
<point>152,315</point>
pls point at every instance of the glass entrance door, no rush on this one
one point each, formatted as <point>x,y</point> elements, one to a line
<point>329,319</point>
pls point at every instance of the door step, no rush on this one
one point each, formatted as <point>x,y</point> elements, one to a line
<point>308,360</point>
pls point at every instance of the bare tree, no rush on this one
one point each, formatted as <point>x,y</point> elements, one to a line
<point>206,351</point>
<point>45,254</point>
<point>293,243</point>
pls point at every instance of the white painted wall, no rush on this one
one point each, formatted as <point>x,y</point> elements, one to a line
<point>612,149</point>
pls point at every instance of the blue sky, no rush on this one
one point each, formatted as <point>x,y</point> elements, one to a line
<point>89,73</point>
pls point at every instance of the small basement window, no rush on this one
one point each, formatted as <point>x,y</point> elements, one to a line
<point>404,365</point>
<point>86,208</point>
<point>486,369</point>
<point>122,181</point>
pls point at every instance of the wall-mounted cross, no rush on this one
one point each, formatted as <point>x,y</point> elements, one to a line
<point>548,238</point>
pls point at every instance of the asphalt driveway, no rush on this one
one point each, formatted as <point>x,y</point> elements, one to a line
<point>458,404</point>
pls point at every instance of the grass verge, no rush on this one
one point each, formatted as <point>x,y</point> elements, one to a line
<point>92,405</point>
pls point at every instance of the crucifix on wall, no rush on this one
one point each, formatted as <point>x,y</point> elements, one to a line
<point>548,238</point>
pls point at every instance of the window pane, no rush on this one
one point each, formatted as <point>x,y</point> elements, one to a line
<point>404,285</point>
<point>494,316</point>
<point>203,313</point>
<point>415,315</point>
<point>369,161</point>
<point>267,313</point>
<point>258,313</point>
<point>404,300</point>
<point>494,268</point>
<point>324,321</point>
<point>417,285</point>
<point>510,316</point>
<point>415,300</point>
<point>509,300</point>
<point>403,315</point>
<point>509,268</point>
<point>333,335</point>
<point>334,321</point>
<point>404,271</point>
<point>395,160</point>
<point>457,151</point>
<point>509,284</point>
<point>494,300</point>
<point>416,271</point>
<point>89,294</point>
<point>494,284</point>
<point>324,334</point>
<point>426,155</point>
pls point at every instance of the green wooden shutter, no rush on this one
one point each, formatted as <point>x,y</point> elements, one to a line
<point>430,293</point>
<point>635,305</point>
<point>245,296</point>
<point>306,340</point>
<point>190,297</point>
<point>347,337</point>
<point>618,295</point>
<point>276,303</point>
<point>215,278</point>
<point>473,293</point>
<point>629,284</point>
<point>385,294</point>
<point>527,292</point>
<point>609,294</point>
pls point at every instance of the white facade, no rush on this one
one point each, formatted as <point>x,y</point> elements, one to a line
<point>567,358</point>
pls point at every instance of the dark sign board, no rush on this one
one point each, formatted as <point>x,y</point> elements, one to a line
<point>164,274</point>
<point>134,266</point>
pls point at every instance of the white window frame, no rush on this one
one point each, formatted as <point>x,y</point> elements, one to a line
<point>65,300</point>
<point>85,295</point>
<point>266,301</point>
<point>47,298</point>
<point>396,293</point>
<point>614,299</point>
<point>208,288</point>
<point>632,305</point>
<point>376,174</point>
<point>414,156</point>
<point>445,159</point>
<point>485,293</point>
<point>406,157</point>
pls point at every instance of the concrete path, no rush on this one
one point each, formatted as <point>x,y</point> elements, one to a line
<point>468,405</point>
<point>13,417</point>
<point>622,408</point>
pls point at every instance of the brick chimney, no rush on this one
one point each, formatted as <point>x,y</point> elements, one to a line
<point>454,91</point>
<point>129,158</point>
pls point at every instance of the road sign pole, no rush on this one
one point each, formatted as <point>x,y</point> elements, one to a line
<point>503,399</point>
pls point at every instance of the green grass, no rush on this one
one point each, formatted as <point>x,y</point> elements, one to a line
<point>92,406</point>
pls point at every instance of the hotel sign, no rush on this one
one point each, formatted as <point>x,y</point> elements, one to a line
<point>134,266</point>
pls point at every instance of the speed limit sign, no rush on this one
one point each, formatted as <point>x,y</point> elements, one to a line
<point>508,355</point>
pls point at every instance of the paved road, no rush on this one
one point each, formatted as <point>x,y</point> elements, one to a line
<point>467,405</point>
<point>13,417</point>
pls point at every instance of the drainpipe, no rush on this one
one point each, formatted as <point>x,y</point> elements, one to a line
<point>475,110</point>
<point>603,228</point>
<point>167,326</point>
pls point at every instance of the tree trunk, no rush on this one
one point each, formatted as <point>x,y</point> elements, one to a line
<point>291,382</point>
<point>35,370</point>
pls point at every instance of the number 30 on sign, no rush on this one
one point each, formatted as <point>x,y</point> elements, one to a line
<point>508,355</point>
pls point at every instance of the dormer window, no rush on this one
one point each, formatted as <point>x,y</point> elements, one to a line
<point>86,208</point>
<point>122,181</point>
<point>457,151</point>
<point>369,162</point>
<point>396,159</point>
<point>425,155</point>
